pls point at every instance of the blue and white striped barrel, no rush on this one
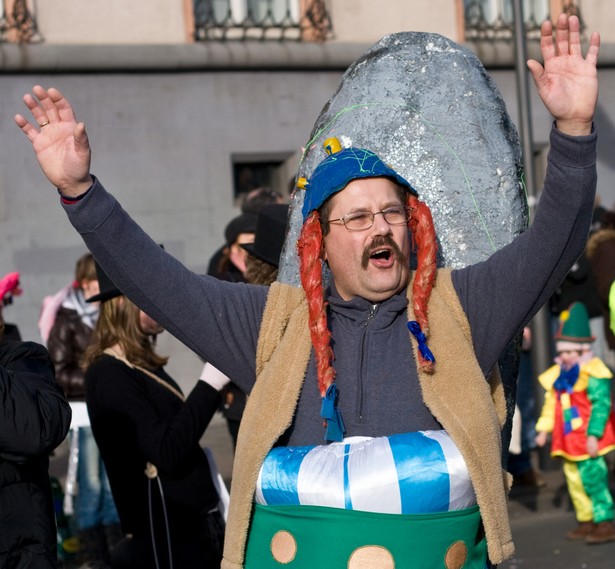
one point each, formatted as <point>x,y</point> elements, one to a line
<point>412,473</point>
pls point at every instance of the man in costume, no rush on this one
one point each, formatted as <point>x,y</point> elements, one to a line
<point>410,416</point>
<point>577,412</point>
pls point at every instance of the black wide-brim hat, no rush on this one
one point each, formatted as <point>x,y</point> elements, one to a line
<point>244,223</point>
<point>271,228</point>
<point>107,289</point>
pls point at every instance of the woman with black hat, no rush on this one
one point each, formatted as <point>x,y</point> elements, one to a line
<point>148,435</point>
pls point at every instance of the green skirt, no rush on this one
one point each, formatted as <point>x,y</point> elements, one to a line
<point>309,537</point>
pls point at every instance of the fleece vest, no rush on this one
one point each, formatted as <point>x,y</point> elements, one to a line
<point>471,409</point>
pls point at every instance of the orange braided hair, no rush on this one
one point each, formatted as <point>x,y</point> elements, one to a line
<point>425,244</point>
<point>309,248</point>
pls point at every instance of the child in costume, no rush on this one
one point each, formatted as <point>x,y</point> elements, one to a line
<point>577,412</point>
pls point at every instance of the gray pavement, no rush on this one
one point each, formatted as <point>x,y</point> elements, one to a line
<point>540,519</point>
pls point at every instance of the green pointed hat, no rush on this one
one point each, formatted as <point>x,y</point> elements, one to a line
<point>574,325</point>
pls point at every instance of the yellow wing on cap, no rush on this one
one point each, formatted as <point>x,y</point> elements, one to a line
<point>332,145</point>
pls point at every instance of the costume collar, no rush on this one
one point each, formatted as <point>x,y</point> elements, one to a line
<point>359,309</point>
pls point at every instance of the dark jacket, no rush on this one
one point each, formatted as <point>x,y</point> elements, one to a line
<point>34,419</point>
<point>67,342</point>
<point>11,332</point>
<point>136,419</point>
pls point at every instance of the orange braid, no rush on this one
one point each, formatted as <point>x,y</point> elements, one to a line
<point>424,242</point>
<point>309,248</point>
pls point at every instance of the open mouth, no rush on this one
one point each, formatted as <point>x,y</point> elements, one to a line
<point>381,255</point>
<point>382,258</point>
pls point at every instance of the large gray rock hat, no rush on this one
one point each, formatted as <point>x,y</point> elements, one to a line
<point>428,108</point>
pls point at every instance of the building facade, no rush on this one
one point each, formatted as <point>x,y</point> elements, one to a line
<point>189,103</point>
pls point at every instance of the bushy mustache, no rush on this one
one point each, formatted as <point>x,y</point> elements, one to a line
<point>378,242</point>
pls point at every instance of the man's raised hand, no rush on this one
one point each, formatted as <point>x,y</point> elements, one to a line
<point>59,141</point>
<point>567,82</point>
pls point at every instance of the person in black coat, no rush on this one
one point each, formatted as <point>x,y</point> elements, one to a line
<point>34,419</point>
<point>148,435</point>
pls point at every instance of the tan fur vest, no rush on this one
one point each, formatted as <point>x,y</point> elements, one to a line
<point>468,407</point>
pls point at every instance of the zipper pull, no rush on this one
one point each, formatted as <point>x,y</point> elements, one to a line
<point>371,314</point>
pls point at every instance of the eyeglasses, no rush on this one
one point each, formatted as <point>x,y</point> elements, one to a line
<point>360,220</point>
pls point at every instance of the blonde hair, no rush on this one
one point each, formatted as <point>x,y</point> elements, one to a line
<point>119,323</point>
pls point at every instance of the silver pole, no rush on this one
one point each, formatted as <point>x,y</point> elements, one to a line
<point>540,325</point>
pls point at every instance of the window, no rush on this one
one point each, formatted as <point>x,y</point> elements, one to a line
<point>493,19</point>
<point>17,23</point>
<point>251,171</point>
<point>248,176</point>
<point>260,19</point>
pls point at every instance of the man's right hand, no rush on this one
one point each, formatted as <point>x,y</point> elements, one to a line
<point>59,141</point>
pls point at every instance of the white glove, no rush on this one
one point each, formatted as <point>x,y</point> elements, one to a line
<point>214,377</point>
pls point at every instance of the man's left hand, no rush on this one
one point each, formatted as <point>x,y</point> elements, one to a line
<point>568,82</point>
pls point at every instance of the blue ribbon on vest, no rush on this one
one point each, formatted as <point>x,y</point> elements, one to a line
<point>415,328</point>
<point>333,416</point>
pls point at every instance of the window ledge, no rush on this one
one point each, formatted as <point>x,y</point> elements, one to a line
<point>226,56</point>
<point>219,56</point>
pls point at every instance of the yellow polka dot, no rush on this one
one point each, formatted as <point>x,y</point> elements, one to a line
<point>283,547</point>
<point>371,557</point>
<point>456,555</point>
